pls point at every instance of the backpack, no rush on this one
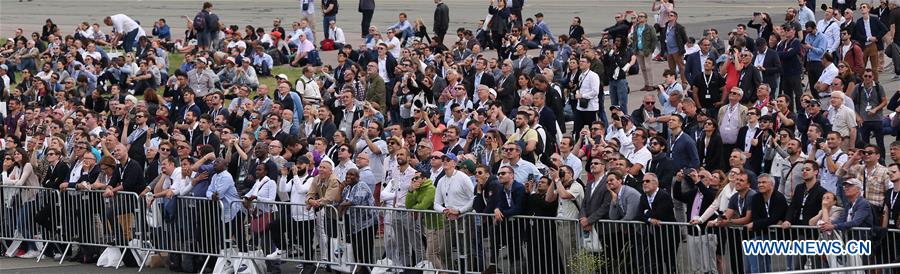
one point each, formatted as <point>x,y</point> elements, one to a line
<point>213,24</point>
<point>200,21</point>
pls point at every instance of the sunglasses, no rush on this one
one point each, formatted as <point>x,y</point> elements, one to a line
<point>649,103</point>
<point>164,149</point>
<point>595,163</point>
<point>480,173</point>
<point>7,159</point>
<point>647,181</point>
<point>502,173</point>
<point>868,152</point>
<point>509,149</point>
<point>184,147</point>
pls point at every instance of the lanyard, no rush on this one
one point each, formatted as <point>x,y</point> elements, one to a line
<point>766,204</point>
<point>894,195</point>
<point>803,204</point>
<point>741,205</point>
<point>707,80</point>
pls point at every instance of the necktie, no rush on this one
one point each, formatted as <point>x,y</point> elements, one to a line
<point>695,208</point>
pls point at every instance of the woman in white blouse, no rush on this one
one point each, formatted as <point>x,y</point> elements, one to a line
<point>27,199</point>
<point>258,202</point>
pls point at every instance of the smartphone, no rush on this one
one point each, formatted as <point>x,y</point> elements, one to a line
<point>755,14</point>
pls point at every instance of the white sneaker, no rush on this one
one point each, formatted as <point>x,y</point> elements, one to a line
<point>228,268</point>
<point>275,255</point>
<point>57,256</point>
<point>896,77</point>
<point>30,254</point>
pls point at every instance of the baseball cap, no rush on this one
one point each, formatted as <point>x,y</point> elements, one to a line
<point>468,165</point>
<point>616,107</point>
<point>4,67</point>
<point>449,155</point>
<point>303,159</point>
<point>854,182</point>
<point>814,102</point>
<point>281,76</point>
<point>230,59</point>
<point>200,59</point>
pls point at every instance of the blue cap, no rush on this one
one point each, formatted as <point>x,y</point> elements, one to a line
<point>449,155</point>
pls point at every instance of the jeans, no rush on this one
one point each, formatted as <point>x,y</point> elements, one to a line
<point>25,224</point>
<point>869,127</point>
<point>618,93</point>
<point>26,63</point>
<point>759,263</point>
<point>128,41</point>
<point>325,21</point>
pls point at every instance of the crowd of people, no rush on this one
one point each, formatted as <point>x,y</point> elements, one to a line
<point>408,120</point>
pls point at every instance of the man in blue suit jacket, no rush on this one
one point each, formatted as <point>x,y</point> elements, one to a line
<point>868,32</point>
<point>684,149</point>
<point>694,62</point>
<point>858,213</point>
<point>508,202</point>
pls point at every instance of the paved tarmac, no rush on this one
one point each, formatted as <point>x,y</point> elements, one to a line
<point>696,15</point>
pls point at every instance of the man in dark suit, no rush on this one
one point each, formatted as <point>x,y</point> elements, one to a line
<point>595,205</point>
<point>58,170</point>
<point>546,116</point>
<point>481,76</point>
<point>767,208</point>
<point>752,144</point>
<point>508,202</point>
<point>656,207</point>
<point>506,87</point>
<point>768,63</point>
<point>749,80</point>
<point>684,149</point>
<point>694,62</point>
<point>868,32</point>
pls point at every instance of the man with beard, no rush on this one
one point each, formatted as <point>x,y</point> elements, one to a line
<point>399,227</point>
<point>805,204</point>
<point>660,163</point>
<point>792,175</point>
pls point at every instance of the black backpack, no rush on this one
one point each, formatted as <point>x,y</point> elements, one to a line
<point>200,21</point>
<point>213,24</point>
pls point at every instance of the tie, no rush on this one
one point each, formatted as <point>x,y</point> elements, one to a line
<point>695,209</point>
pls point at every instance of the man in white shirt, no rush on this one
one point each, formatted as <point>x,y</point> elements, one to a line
<point>125,30</point>
<point>831,30</point>
<point>336,34</point>
<point>804,13</point>
<point>823,85</point>
<point>398,225</point>
<point>640,154</point>
<point>393,44</point>
<point>571,195</point>
<point>455,192</point>
<point>568,158</point>
<point>589,90</point>
<point>842,119</point>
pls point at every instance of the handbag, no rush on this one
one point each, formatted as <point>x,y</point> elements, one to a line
<point>327,44</point>
<point>261,222</point>
<point>634,70</point>
<point>591,242</point>
<point>583,102</point>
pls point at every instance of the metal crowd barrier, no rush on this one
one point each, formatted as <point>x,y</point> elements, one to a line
<point>186,226</point>
<point>411,239</point>
<point>93,221</point>
<point>347,239</point>
<point>262,227</point>
<point>31,220</point>
<point>520,244</point>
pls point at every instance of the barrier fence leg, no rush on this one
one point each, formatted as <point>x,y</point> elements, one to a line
<point>124,251</point>
<point>461,241</point>
<point>204,265</point>
<point>43,249</point>
<point>65,252</point>
<point>144,261</point>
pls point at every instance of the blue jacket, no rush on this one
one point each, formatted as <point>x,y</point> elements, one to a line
<point>862,215</point>
<point>684,152</point>
<point>517,197</point>
<point>818,48</point>
<point>789,53</point>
